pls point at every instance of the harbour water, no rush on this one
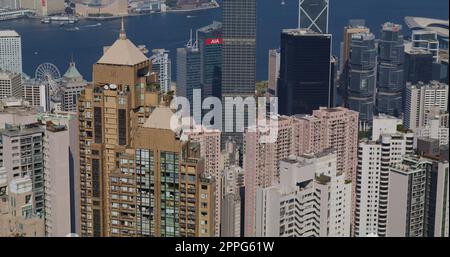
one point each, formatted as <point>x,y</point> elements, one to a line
<point>56,44</point>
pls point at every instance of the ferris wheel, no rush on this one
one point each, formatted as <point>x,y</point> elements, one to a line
<point>49,74</point>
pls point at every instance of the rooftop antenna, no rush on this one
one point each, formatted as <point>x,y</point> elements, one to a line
<point>190,42</point>
<point>122,34</point>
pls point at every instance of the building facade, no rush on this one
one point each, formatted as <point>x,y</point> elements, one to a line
<point>10,51</point>
<point>305,72</point>
<point>362,76</point>
<point>390,80</point>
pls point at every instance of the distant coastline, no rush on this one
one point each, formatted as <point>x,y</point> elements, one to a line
<point>213,5</point>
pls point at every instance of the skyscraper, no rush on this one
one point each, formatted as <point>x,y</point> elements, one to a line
<point>210,46</point>
<point>313,14</point>
<point>188,73</point>
<point>137,176</point>
<point>274,71</point>
<point>418,65</point>
<point>390,83</point>
<point>162,65</point>
<point>362,76</point>
<point>354,26</point>
<point>10,51</point>
<point>239,55</point>
<point>305,72</point>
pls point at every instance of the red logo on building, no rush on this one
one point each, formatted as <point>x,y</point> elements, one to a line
<point>43,3</point>
<point>213,41</point>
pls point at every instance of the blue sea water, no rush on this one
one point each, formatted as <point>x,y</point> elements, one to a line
<point>52,43</point>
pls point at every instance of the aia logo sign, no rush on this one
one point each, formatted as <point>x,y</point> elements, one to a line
<point>213,41</point>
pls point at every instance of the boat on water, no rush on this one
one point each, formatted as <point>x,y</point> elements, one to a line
<point>46,20</point>
<point>60,19</point>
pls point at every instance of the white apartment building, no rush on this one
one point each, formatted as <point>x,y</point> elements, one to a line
<point>10,51</point>
<point>407,198</point>
<point>10,84</point>
<point>311,199</point>
<point>162,65</point>
<point>372,180</point>
<point>36,94</point>
<point>419,99</point>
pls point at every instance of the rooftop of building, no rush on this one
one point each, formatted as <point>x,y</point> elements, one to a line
<point>72,72</point>
<point>211,27</point>
<point>23,130</point>
<point>123,52</point>
<point>8,33</point>
<point>159,118</point>
<point>363,36</point>
<point>304,32</point>
<point>389,26</point>
<point>434,84</point>
<point>414,50</point>
<point>437,25</point>
<point>18,106</point>
<point>7,74</point>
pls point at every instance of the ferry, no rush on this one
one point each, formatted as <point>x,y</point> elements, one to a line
<point>60,19</point>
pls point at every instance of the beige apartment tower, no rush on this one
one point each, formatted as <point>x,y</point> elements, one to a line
<point>137,177</point>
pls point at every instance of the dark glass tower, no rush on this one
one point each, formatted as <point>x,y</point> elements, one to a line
<point>305,82</point>
<point>239,55</point>
<point>418,65</point>
<point>188,72</point>
<point>391,57</point>
<point>210,46</point>
<point>362,76</point>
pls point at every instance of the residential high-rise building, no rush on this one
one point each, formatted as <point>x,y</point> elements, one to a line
<point>407,198</point>
<point>232,201</point>
<point>420,98</point>
<point>286,209</point>
<point>10,84</point>
<point>17,210</point>
<point>10,51</point>
<point>176,197</point>
<point>109,111</point>
<point>418,65</point>
<point>162,65</point>
<point>327,128</point>
<point>362,76</point>
<point>36,94</point>
<point>436,127</point>
<point>137,177</point>
<point>437,206</point>
<point>72,85</point>
<point>375,157</point>
<point>210,43</point>
<point>239,58</point>
<point>305,73</point>
<point>23,156</point>
<point>209,141</point>
<point>57,177</point>
<point>274,71</point>
<point>390,81</point>
<point>61,172</point>
<point>313,14</point>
